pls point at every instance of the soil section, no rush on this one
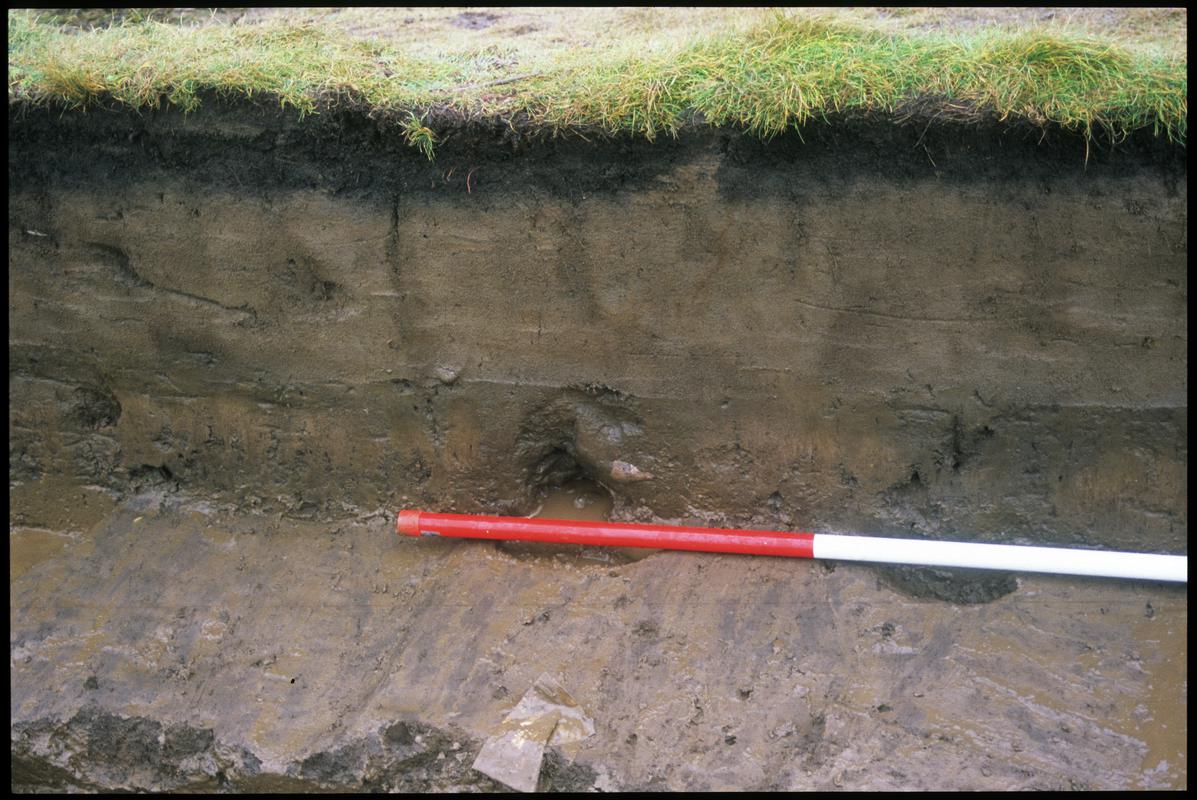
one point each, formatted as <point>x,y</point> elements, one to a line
<point>245,341</point>
<point>920,330</point>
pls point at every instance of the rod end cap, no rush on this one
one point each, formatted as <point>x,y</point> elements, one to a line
<point>407,523</point>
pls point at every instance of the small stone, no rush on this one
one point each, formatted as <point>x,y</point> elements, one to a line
<point>624,472</point>
<point>782,731</point>
<point>447,375</point>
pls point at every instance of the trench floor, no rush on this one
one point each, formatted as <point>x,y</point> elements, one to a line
<point>293,638</point>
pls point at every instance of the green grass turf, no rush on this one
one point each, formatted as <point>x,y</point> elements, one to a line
<point>764,71</point>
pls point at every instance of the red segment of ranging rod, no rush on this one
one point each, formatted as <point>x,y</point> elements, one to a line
<point>607,534</point>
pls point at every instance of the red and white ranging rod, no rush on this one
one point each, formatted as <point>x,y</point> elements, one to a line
<point>924,552</point>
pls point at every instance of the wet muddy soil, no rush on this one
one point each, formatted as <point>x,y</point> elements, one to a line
<point>167,643</point>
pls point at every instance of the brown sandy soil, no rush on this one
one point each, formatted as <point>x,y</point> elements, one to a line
<point>911,331</point>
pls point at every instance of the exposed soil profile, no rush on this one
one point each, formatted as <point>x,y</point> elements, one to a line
<point>250,338</point>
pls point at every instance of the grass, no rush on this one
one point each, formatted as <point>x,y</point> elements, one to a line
<point>645,71</point>
<point>419,135</point>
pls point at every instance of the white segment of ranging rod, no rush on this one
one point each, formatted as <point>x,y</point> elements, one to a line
<point>1022,558</point>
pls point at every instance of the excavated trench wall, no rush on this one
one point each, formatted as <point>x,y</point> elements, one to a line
<point>890,329</point>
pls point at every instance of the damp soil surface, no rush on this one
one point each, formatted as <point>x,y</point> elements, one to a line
<point>166,643</point>
<point>240,342</point>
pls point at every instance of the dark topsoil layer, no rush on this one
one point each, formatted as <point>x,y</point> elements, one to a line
<point>255,145</point>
